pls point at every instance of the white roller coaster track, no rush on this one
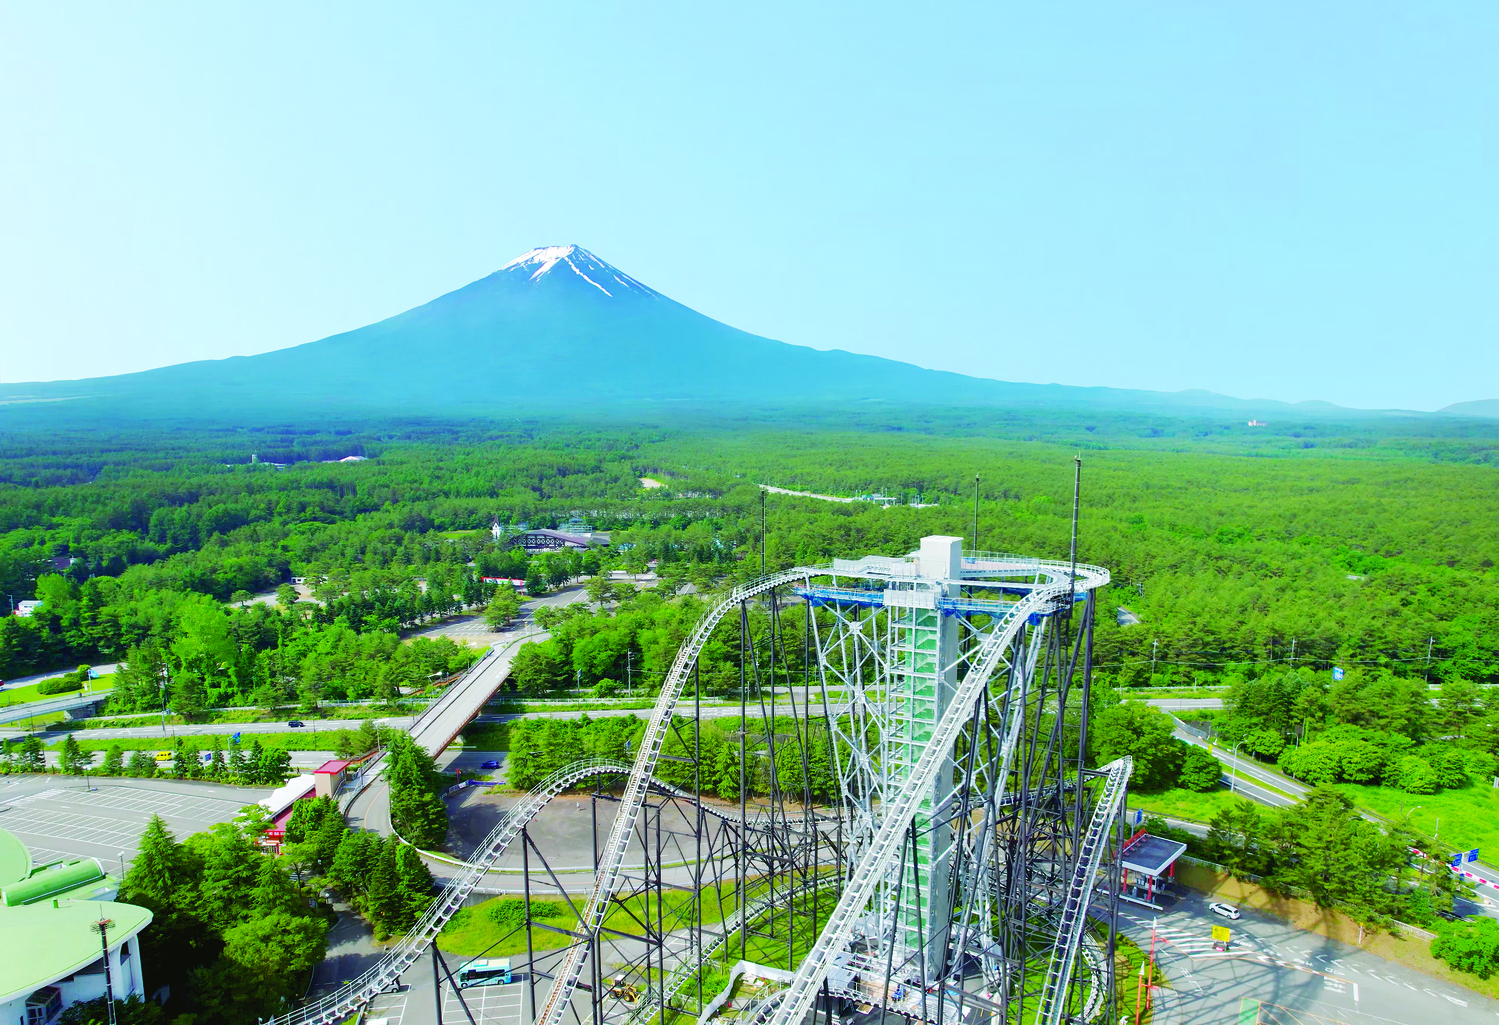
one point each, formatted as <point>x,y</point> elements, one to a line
<point>613,857</point>
<point>897,815</point>
<point>349,999</point>
<point>731,925</point>
<point>1075,912</point>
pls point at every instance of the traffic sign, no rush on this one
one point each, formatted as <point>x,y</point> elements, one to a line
<point>1471,855</point>
<point>1139,816</point>
<point>1220,933</point>
<point>234,739</point>
<point>1337,673</point>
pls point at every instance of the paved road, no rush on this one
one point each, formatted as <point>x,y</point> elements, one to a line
<point>1294,973</point>
<point>1185,704</point>
<point>1485,878</point>
<point>99,670</point>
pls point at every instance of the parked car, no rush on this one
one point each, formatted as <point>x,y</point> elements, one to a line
<point>491,764</point>
<point>1225,910</point>
<point>163,756</point>
<point>296,724</point>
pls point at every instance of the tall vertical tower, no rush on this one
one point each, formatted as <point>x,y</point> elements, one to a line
<point>923,645</point>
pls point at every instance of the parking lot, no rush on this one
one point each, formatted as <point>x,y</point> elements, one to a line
<point>489,1005</point>
<point>63,817</point>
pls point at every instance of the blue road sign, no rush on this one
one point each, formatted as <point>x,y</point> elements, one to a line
<point>234,739</point>
<point>1457,859</point>
<point>1139,816</point>
<point>1471,855</point>
<point>1337,673</point>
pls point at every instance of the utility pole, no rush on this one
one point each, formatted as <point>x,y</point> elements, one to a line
<point>629,664</point>
<point>1152,657</point>
<point>975,513</point>
<point>1293,653</point>
<point>109,994</point>
<point>1429,642</point>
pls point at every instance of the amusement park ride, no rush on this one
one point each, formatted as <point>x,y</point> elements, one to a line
<point>965,870</point>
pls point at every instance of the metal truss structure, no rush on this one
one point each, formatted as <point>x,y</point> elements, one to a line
<point>948,880</point>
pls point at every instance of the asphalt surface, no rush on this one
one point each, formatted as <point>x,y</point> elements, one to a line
<point>1293,973</point>
<point>1185,704</point>
<point>99,670</point>
<point>67,817</point>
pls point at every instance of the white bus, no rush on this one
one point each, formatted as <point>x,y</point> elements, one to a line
<point>484,973</point>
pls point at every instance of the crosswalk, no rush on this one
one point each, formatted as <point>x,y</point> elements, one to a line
<point>1195,942</point>
<point>1339,975</point>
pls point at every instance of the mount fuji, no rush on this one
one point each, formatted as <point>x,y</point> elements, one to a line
<point>558,331</point>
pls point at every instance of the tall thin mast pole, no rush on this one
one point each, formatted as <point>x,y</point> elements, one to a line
<point>1077,491</point>
<point>975,512</point>
<point>762,532</point>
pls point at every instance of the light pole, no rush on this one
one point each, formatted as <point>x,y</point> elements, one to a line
<point>975,515</point>
<point>1233,771</point>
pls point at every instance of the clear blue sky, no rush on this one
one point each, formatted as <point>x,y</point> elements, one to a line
<point>1284,200</point>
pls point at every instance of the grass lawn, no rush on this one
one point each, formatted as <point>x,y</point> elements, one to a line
<point>492,928</point>
<point>1469,817</point>
<point>488,737</point>
<point>1185,804</point>
<point>22,695</point>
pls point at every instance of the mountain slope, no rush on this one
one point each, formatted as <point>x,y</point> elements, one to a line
<point>559,330</point>
<point>1481,407</point>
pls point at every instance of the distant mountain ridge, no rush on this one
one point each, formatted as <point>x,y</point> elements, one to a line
<point>1481,407</point>
<point>559,330</point>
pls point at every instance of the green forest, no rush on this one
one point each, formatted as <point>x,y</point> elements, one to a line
<point>1373,557</point>
<point>1336,584</point>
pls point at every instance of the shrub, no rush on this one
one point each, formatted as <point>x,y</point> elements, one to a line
<point>1471,947</point>
<point>61,685</point>
<point>1415,776</point>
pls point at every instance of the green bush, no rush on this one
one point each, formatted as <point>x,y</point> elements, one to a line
<point>61,685</point>
<point>1471,947</point>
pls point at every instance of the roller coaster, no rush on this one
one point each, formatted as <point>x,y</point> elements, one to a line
<point>963,869</point>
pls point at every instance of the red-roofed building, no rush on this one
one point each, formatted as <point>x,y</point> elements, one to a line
<point>330,775</point>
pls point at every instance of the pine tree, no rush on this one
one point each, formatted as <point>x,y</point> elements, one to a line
<point>274,890</point>
<point>383,904</point>
<point>273,766</point>
<point>114,761</point>
<point>415,883</point>
<point>302,822</point>
<point>189,695</point>
<point>234,770</point>
<point>416,811</point>
<point>231,864</point>
<point>249,769</point>
<point>216,761</point>
<point>329,838</point>
<point>31,756</point>
<point>154,874</point>
<point>350,869</point>
<point>181,769</point>
<point>74,761</point>
<point>141,765</point>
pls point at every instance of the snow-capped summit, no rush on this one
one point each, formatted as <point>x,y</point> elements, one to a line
<point>539,263</point>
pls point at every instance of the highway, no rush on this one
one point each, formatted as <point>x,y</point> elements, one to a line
<point>1270,788</point>
<point>1186,704</point>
